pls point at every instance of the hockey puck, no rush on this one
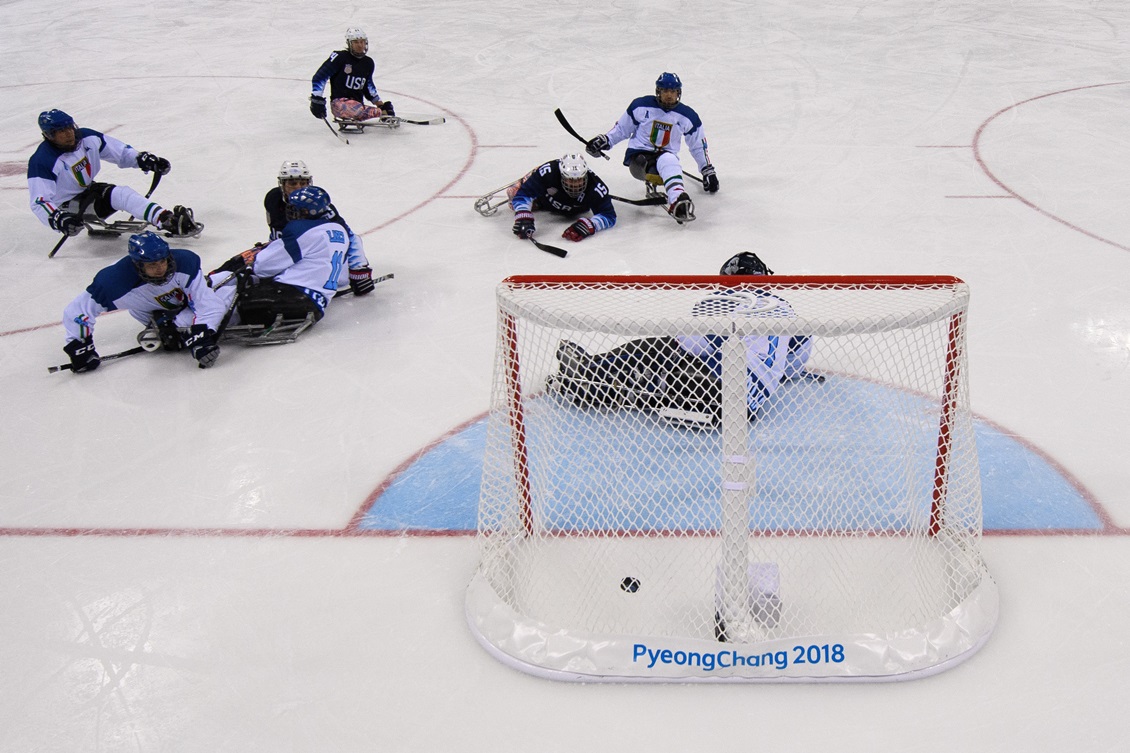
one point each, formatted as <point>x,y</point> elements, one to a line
<point>630,585</point>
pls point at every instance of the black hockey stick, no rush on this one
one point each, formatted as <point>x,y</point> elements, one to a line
<point>651,201</point>
<point>565,124</point>
<point>376,280</point>
<point>430,121</point>
<point>111,357</point>
<point>341,137</point>
<point>550,249</point>
<point>82,209</point>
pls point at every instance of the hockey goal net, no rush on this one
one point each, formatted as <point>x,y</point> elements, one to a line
<point>731,478</point>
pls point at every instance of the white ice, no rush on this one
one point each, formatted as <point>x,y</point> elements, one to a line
<point>986,140</point>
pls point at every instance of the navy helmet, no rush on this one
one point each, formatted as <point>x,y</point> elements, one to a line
<point>745,263</point>
<point>148,247</point>
<point>310,201</point>
<point>54,120</point>
<point>669,81</point>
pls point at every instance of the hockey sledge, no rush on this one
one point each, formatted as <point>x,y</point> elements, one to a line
<point>97,227</point>
<point>279,332</point>
<point>347,125</point>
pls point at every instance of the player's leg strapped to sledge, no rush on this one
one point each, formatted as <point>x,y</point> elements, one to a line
<point>663,168</point>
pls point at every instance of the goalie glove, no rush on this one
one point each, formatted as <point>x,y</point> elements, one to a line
<point>318,106</point>
<point>579,230</point>
<point>598,145</point>
<point>709,179</point>
<point>361,280</point>
<point>147,162</point>
<point>524,224</point>
<point>67,223</point>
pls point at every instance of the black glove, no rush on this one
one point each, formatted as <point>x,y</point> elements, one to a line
<point>388,109</point>
<point>83,355</point>
<point>318,106</point>
<point>524,225</point>
<point>67,223</point>
<point>147,162</point>
<point>171,336</point>
<point>709,179</point>
<point>361,280</point>
<point>579,230</point>
<point>235,264</point>
<point>598,145</point>
<point>201,342</point>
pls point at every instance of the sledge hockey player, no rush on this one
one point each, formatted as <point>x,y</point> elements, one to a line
<point>567,187</point>
<point>61,172</point>
<point>292,176</point>
<point>679,377</point>
<point>293,278</point>
<point>655,127</point>
<point>349,73</point>
<point>161,287</point>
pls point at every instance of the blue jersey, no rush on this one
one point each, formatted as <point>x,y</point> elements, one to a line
<point>55,176</point>
<point>349,77</point>
<point>119,286</point>
<point>541,189</point>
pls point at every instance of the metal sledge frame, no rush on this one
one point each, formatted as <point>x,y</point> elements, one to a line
<point>279,332</point>
<point>348,125</point>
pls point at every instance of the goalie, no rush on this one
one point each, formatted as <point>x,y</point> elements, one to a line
<point>680,377</point>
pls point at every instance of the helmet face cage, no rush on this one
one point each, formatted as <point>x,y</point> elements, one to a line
<point>669,82</point>
<point>745,263</point>
<point>294,171</point>
<point>307,202</point>
<point>148,247</point>
<point>53,121</point>
<point>574,174</point>
<point>352,34</point>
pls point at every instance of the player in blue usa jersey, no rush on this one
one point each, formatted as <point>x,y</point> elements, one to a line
<point>655,128</point>
<point>349,73</point>
<point>61,173</point>
<point>161,287</point>
<point>566,187</point>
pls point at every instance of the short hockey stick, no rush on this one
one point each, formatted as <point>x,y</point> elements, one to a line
<point>430,121</point>
<point>340,136</point>
<point>550,249</point>
<point>82,209</point>
<point>565,124</point>
<point>111,357</point>
<point>651,201</point>
<point>376,281</point>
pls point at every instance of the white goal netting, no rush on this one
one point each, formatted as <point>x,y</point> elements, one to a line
<point>731,478</point>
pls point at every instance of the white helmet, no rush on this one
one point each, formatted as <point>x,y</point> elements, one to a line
<point>294,169</point>
<point>352,34</point>
<point>574,174</point>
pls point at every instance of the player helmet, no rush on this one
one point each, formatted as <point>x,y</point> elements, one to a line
<point>307,202</point>
<point>148,247</point>
<point>574,174</point>
<point>352,34</point>
<point>668,82</point>
<point>293,171</point>
<point>745,263</point>
<point>53,121</point>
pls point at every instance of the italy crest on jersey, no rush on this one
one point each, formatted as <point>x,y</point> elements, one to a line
<point>172,300</point>
<point>660,133</point>
<point>82,172</point>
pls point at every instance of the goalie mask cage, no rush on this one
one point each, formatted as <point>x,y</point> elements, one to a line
<point>643,518</point>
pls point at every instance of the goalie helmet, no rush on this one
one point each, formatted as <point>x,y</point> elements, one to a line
<point>147,248</point>
<point>307,202</point>
<point>352,34</point>
<point>293,171</point>
<point>574,174</point>
<point>668,82</point>
<point>745,263</point>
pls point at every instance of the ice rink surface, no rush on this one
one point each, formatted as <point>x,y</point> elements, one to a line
<point>180,566</point>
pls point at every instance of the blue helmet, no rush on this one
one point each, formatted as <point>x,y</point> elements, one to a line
<point>745,263</point>
<point>310,201</point>
<point>53,120</point>
<point>148,247</point>
<point>669,81</point>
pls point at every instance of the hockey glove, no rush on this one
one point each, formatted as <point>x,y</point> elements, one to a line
<point>709,179</point>
<point>361,281</point>
<point>598,145</point>
<point>147,162</point>
<point>201,342</point>
<point>524,225</point>
<point>579,230</point>
<point>318,106</point>
<point>387,108</point>
<point>67,223</point>
<point>171,337</point>
<point>83,355</point>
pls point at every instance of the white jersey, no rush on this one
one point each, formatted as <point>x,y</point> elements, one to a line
<point>55,176</point>
<point>770,359</point>
<point>310,255</point>
<point>120,287</point>
<point>650,128</point>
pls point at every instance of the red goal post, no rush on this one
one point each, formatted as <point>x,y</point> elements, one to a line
<point>767,459</point>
